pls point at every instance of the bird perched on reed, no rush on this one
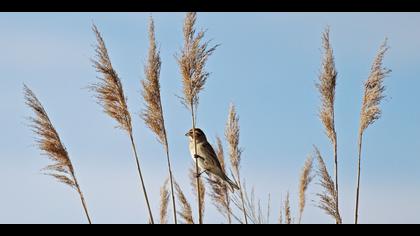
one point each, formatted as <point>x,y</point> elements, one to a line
<point>206,157</point>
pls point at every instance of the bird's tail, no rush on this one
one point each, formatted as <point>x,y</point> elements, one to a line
<point>233,186</point>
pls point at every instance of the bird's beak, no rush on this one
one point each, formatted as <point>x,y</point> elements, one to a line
<point>187,134</point>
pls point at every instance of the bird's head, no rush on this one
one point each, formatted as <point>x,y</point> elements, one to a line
<point>199,134</point>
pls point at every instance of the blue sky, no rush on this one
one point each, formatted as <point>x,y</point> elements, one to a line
<point>267,65</point>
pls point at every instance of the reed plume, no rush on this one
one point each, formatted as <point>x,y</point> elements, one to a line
<point>287,211</point>
<point>371,110</point>
<point>232,133</point>
<point>153,114</point>
<point>192,61</point>
<point>326,87</point>
<point>164,201</point>
<point>49,143</point>
<point>305,179</point>
<point>110,95</point>
<point>186,213</point>
<point>329,194</point>
<point>219,189</point>
<point>280,221</point>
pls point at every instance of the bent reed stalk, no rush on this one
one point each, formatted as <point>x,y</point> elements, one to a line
<point>371,110</point>
<point>232,134</point>
<point>110,95</point>
<point>153,113</point>
<point>50,144</point>
<point>326,87</point>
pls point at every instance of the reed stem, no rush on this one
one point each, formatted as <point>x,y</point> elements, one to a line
<point>200,217</point>
<point>170,178</point>
<point>82,199</point>
<point>242,198</point>
<point>141,178</point>
<point>336,173</point>
<point>356,213</point>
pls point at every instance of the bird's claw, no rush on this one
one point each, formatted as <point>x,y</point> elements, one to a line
<point>199,175</point>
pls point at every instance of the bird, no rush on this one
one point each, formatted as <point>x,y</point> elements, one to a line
<point>206,157</point>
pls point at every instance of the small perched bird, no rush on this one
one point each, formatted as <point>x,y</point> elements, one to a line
<point>207,158</point>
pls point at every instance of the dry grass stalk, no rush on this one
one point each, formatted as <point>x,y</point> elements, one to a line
<point>192,61</point>
<point>232,134</point>
<point>153,114</point>
<point>260,213</point>
<point>268,209</point>
<point>287,211</point>
<point>220,191</point>
<point>280,221</point>
<point>201,191</point>
<point>50,144</point>
<point>164,202</point>
<point>186,213</point>
<point>305,179</point>
<point>251,206</point>
<point>371,110</point>
<point>110,95</point>
<point>326,86</point>
<point>329,195</point>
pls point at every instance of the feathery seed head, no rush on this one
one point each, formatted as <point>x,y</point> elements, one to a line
<point>326,87</point>
<point>109,90</point>
<point>374,90</point>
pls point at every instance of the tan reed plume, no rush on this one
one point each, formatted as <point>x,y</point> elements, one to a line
<point>192,61</point>
<point>50,144</point>
<point>326,86</point>
<point>219,189</point>
<point>329,194</point>
<point>305,179</point>
<point>287,211</point>
<point>371,110</point>
<point>164,201</point>
<point>232,134</point>
<point>186,213</point>
<point>280,221</point>
<point>110,95</point>
<point>153,114</point>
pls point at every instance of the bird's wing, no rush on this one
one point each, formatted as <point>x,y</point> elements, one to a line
<point>209,151</point>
